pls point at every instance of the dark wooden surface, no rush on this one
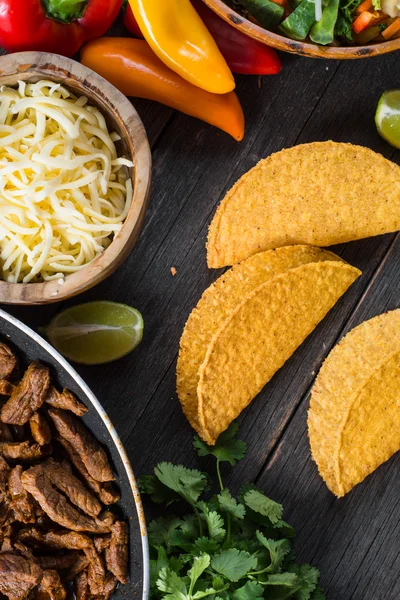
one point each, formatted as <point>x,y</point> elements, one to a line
<point>354,541</point>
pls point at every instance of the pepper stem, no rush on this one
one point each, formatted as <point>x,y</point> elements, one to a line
<point>65,11</point>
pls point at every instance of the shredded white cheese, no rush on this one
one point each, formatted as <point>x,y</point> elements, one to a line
<point>64,192</point>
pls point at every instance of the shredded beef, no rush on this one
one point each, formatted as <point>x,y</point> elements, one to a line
<point>65,400</point>
<point>40,429</point>
<point>21,502</point>
<point>18,576</point>
<point>54,528</point>
<point>27,396</point>
<point>56,506</point>
<point>6,388</point>
<point>117,552</point>
<point>50,587</point>
<point>58,562</point>
<point>91,453</point>
<point>8,361</point>
<point>107,492</point>
<point>23,451</point>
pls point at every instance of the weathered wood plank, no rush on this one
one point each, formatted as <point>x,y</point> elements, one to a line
<point>354,540</point>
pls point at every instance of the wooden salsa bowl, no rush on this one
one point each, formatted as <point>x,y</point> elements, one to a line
<point>122,118</point>
<point>303,48</point>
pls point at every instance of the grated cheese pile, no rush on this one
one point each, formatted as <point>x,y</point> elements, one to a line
<point>64,192</point>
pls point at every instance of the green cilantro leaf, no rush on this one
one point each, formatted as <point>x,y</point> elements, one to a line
<point>283,579</point>
<point>250,591</point>
<point>188,483</point>
<point>169,582</point>
<point>308,579</point>
<point>200,564</point>
<point>215,523</point>
<point>277,549</point>
<point>233,564</point>
<point>159,493</point>
<point>204,544</point>
<point>226,449</point>
<point>263,505</point>
<point>229,505</point>
<point>160,531</point>
<point>318,594</point>
<point>190,527</point>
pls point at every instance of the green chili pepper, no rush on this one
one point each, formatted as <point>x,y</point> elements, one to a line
<point>323,32</point>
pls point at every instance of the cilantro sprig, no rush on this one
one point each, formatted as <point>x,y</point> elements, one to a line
<point>225,548</point>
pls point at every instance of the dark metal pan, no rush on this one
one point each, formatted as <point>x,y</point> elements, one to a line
<point>29,346</point>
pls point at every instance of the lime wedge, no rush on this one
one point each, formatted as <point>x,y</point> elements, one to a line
<point>96,332</point>
<point>387,117</point>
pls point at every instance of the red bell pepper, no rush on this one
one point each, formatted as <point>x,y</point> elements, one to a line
<point>242,53</point>
<point>60,26</point>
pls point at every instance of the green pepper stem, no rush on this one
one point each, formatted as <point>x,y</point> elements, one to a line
<point>65,11</point>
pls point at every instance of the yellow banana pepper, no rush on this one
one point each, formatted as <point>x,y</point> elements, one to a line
<point>180,39</point>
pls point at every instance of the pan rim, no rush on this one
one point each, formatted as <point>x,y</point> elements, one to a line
<point>110,428</point>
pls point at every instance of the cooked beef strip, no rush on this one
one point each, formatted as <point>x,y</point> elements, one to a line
<point>92,454</point>
<point>5,433</point>
<point>117,553</point>
<point>57,507</point>
<point>18,576</point>
<point>58,562</point>
<point>96,571</point>
<point>79,565</point>
<point>7,545</point>
<point>50,587</point>
<point>28,395</point>
<point>6,388</point>
<point>4,475</point>
<point>60,475</point>
<point>8,361</point>
<point>23,451</point>
<point>40,429</point>
<point>111,583</point>
<point>82,591</point>
<point>101,542</point>
<point>21,502</point>
<point>69,540</point>
<point>65,400</point>
<point>107,492</point>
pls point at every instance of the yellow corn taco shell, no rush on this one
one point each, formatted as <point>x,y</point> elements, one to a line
<point>260,335</point>
<point>353,421</point>
<point>219,301</point>
<point>318,194</point>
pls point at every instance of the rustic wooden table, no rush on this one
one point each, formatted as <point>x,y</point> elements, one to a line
<point>354,541</point>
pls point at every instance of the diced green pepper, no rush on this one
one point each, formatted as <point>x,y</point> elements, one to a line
<point>298,24</point>
<point>323,32</point>
<point>267,13</point>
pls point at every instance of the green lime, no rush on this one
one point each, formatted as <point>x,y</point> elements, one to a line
<point>96,332</point>
<point>387,117</point>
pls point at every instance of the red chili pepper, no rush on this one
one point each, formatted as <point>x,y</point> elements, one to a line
<point>60,26</point>
<point>242,53</point>
<point>131,24</point>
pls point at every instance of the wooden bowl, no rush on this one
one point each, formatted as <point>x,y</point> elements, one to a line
<point>304,48</point>
<point>122,118</point>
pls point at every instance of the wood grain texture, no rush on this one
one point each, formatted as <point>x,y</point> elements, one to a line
<point>122,117</point>
<point>355,541</point>
<point>295,47</point>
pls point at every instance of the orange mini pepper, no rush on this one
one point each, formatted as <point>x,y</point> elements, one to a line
<point>131,65</point>
<point>180,39</point>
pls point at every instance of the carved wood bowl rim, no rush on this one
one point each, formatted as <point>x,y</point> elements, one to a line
<point>303,48</point>
<point>118,110</point>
